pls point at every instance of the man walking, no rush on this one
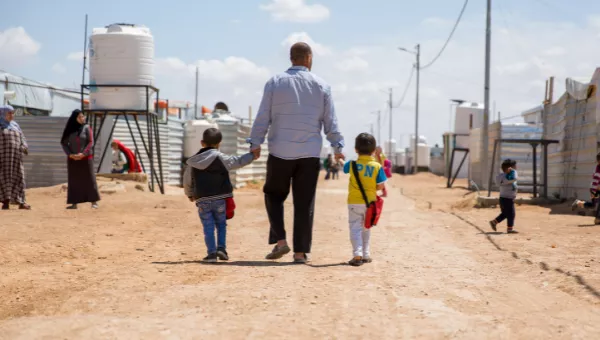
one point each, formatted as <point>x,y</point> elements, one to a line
<point>295,107</point>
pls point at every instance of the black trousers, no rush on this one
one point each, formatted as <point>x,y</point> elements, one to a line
<point>507,211</point>
<point>302,175</point>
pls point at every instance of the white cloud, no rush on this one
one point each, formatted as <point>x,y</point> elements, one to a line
<point>318,49</point>
<point>296,11</point>
<point>16,46</point>
<point>58,68</point>
<point>75,56</point>
<point>230,69</point>
<point>353,64</point>
<point>235,80</point>
<point>170,65</point>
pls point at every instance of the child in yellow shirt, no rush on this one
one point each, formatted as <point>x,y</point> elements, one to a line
<point>372,177</point>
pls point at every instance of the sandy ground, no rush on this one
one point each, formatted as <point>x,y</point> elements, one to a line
<point>131,270</point>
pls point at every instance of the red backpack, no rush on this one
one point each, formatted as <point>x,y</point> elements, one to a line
<point>374,209</point>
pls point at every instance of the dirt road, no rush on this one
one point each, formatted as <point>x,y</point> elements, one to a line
<point>131,271</point>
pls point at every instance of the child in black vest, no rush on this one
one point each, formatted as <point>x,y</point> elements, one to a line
<point>206,182</point>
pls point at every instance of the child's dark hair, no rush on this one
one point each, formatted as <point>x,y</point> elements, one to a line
<point>508,163</point>
<point>598,157</point>
<point>212,137</point>
<point>365,144</point>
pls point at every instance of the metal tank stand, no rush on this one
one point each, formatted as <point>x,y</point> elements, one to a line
<point>452,178</point>
<point>534,144</point>
<point>97,118</point>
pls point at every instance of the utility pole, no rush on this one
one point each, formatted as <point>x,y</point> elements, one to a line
<point>196,101</point>
<point>391,105</point>
<point>416,150</point>
<point>486,104</point>
<point>378,112</point>
<point>84,50</point>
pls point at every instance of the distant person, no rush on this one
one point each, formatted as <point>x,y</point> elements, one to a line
<point>77,141</point>
<point>220,109</point>
<point>594,193</point>
<point>371,177</point>
<point>206,182</point>
<point>124,159</point>
<point>13,146</point>
<point>381,159</point>
<point>327,166</point>
<point>296,106</point>
<point>507,181</point>
<point>335,170</point>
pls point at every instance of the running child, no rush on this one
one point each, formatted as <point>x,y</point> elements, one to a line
<point>372,177</point>
<point>507,181</point>
<point>207,183</point>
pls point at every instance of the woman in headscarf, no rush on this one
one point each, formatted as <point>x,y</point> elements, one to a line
<point>77,141</point>
<point>12,172</point>
<point>130,164</point>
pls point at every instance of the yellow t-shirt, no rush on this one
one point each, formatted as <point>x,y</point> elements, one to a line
<point>371,173</point>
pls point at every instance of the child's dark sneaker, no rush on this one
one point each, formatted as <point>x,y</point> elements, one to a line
<point>211,258</point>
<point>367,260</point>
<point>357,261</point>
<point>222,254</point>
<point>493,224</point>
<point>512,231</point>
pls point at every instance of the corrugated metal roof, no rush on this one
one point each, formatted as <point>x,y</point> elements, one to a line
<point>46,164</point>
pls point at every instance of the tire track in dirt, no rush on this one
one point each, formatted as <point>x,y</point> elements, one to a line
<point>577,279</point>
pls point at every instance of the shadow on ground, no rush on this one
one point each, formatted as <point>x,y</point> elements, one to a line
<point>251,264</point>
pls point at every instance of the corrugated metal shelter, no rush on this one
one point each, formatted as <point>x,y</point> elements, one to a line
<point>38,97</point>
<point>171,145</point>
<point>519,152</point>
<point>234,143</point>
<point>478,173</point>
<point>46,164</point>
<point>571,163</point>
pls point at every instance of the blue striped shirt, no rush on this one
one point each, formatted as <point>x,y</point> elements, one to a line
<point>295,107</point>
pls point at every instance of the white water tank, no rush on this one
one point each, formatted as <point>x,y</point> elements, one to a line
<point>400,158</point>
<point>423,151</point>
<point>121,54</point>
<point>468,116</point>
<point>389,149</point>
<point>192,135</point>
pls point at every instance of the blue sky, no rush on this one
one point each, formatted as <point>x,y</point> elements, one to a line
<point>357,40</point>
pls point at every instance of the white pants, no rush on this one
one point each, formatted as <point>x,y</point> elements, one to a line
<point>359,235</point>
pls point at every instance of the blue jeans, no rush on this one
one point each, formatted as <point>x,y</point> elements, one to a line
<point>213,215</point>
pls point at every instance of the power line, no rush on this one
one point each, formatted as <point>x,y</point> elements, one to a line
<point>449,37</point>
<point>412,71</point>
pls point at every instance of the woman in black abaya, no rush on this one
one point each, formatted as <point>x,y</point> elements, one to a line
<point>77,141</point>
